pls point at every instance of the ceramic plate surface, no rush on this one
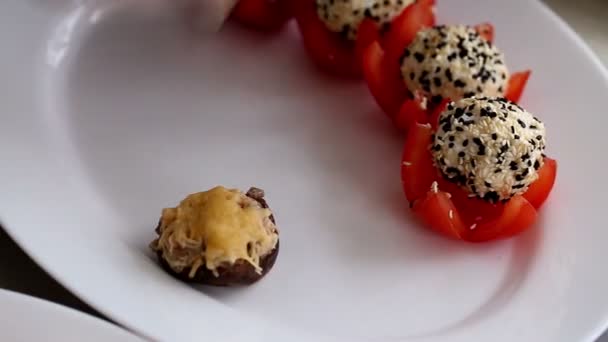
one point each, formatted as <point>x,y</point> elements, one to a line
<point>25,318</point>
<point>110,113</point>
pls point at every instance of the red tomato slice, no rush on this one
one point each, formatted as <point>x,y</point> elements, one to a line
<point>327,49</point>
<point>411,112</point>
<point>437,212</point>
<point>261,14</point>
<point>367,34</point>
<point>405,27</point>
<point>517,216</point>
<point>516,86</point>
<point>486,30</point>
<point>417,169</point>
<point>387,88</point>
<point>447,209</point>
<point>539,191</point>
<point>436,112</point>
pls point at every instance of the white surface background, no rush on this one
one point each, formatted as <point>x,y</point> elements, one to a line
<point>18,272</point>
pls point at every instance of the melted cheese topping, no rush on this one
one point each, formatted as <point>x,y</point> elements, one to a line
<point>215,228</point>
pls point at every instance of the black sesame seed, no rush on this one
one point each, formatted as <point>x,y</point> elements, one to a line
<point>459,84</point>
<point>459,112</point>
<point>494,136</point>
<point>491,197</point>
<point>448,74</point>
<point>519,178</point>
<point>516,137</point>
<point>451,145</point>
<point>521,123</point>
<point>536,165</point>
<point>451,138</point>
<point>465,142</point>
<point>477,141</point>
<point>419,57</point>
<point>513,165</point>
<point>461,154</point>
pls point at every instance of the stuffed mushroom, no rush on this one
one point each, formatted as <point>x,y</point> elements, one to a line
<point>218,237</point>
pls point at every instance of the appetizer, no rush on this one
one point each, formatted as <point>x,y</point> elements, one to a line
<point>480,172</point>
<point>439,64</point>
<point>336,33</point>
<point>218,237</point>
<point>265,15</point>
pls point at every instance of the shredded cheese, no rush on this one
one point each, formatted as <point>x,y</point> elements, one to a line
<point>215,228</point>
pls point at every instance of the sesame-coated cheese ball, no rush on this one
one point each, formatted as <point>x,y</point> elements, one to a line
<point>491,147</point>
<point>345,16</point>
<point>453,62</point>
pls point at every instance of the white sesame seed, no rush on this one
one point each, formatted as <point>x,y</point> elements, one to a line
<point>451,214</point>
<point>406,163</point>
<point>473,226</point>
<point>435,187</point>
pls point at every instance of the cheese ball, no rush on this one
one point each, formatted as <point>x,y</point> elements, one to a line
<point>453,62</point>
<point>491,147</point>
<point>345,16</point>
<point>218,237</point>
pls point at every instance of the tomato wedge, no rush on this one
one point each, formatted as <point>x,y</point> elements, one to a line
<point>437,212</point>
<point>412,111</point>
<point>404,28</point>
<point>340,56</point>
<point>486,30</point>
<point>517,216</point>
<point>445,208</point>
<point>367,34</point>
<point>264,15</point>
<point>516,86</point>
<point>539,191</point>
<point>387,88</point>
<point>327,49</point>
<point>436,112</point>
<point>417,169</point>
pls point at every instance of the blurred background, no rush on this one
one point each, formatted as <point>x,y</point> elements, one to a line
<point>19,273</point>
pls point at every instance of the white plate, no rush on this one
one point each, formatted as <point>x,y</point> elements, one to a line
<point>24,318</point>
<point>109,116</point>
